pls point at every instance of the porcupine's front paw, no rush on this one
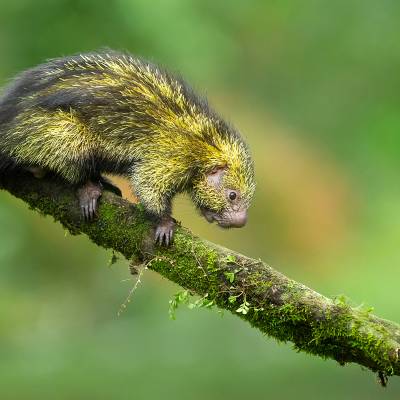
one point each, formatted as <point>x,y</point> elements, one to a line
<point>165,231</point>
<point>88,196</point>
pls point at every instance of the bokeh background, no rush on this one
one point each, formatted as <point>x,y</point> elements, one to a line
<point>314,87</point>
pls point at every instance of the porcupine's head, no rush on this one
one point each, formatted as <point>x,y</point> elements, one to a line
<point>224,189</point>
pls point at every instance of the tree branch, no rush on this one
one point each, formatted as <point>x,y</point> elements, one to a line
<point>250,289</point>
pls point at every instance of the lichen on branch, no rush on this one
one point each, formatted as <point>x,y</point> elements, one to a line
<point>251,289</point>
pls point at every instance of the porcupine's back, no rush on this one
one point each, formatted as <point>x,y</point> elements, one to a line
<point>122,100</point>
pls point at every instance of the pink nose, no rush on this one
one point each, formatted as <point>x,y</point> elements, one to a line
<point>239,219</point>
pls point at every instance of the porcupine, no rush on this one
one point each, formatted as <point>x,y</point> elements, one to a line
<point>111,112</point>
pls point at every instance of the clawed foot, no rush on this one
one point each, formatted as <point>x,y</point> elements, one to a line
<point>88,198</point>
<point>165,231</point>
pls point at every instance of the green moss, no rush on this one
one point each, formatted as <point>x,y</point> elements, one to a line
<point>212,261</point>
<point>57,209</point>
<point>259,282</point>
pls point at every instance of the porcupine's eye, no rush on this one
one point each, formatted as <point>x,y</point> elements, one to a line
<point>232,195</point>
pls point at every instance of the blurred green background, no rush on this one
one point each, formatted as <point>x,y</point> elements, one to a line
<point>314,87</point>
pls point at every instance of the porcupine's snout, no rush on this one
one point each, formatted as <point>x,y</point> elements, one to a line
<point>227,219</point>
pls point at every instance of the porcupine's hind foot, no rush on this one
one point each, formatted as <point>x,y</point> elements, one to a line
<point>88,196</point>
<point>165,230</point>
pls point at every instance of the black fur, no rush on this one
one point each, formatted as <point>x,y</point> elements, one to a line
<point>7,164</point>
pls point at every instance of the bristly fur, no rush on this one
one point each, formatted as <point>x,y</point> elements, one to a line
<point>111,112</point>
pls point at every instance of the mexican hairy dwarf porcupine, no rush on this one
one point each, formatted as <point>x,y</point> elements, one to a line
<point>110,112</point>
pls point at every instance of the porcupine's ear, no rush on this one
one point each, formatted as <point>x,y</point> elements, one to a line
<point>216,168</point>
<point>215,175</point>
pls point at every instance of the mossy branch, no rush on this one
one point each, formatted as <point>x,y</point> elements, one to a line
<point>252,290</point>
